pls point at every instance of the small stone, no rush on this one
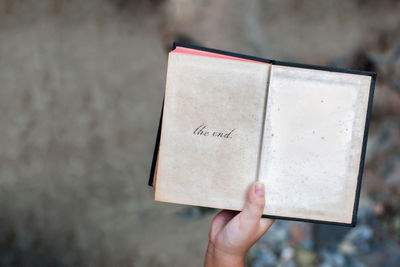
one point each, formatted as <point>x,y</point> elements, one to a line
<point>332,258</point>
<point>265,258</point>
<point>306,257</point>
<point>347,247</point>
<point>287,254</point>
<point>361,238</point>
<point>360,234</point>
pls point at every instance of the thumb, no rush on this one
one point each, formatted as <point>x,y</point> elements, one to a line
<point>254,206</point>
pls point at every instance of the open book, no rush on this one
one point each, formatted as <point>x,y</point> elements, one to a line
<point>229,120</point>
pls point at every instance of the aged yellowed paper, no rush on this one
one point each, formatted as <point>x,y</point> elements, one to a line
<point>211,130</point>
<point>312,142</point>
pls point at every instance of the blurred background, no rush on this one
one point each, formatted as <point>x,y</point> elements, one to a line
<point>81,87</point>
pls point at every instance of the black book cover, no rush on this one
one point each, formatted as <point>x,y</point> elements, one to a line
<point>297,65</point>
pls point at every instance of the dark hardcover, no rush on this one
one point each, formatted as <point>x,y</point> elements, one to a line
<point>297,65</point>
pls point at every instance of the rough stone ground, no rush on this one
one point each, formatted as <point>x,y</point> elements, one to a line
<point>81,85</point>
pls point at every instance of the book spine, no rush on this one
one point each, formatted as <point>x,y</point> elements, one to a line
<point>264,115</point>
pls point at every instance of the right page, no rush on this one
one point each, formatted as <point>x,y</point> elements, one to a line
<point>312,143</point>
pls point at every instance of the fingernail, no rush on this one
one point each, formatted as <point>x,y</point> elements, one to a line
<point>259,189</point>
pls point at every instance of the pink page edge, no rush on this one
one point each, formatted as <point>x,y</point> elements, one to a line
<point>189,51</point>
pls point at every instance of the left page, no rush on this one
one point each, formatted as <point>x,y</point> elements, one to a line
<point>211,130</point>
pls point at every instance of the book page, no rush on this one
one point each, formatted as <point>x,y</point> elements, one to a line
<point>211,129</point>
<point>312,143</point>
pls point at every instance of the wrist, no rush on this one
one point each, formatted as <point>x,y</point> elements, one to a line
<point>218,258</point>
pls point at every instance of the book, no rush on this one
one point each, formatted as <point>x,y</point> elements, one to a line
<point>229,120</point>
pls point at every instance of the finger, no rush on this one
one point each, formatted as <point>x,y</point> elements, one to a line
<point>254,206</point>
<point>265,224</point>
<point>220,220</point>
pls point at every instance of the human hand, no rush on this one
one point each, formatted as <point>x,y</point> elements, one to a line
<point>232,233</point>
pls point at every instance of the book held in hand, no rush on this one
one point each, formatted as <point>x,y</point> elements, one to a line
<point>229,120</point>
